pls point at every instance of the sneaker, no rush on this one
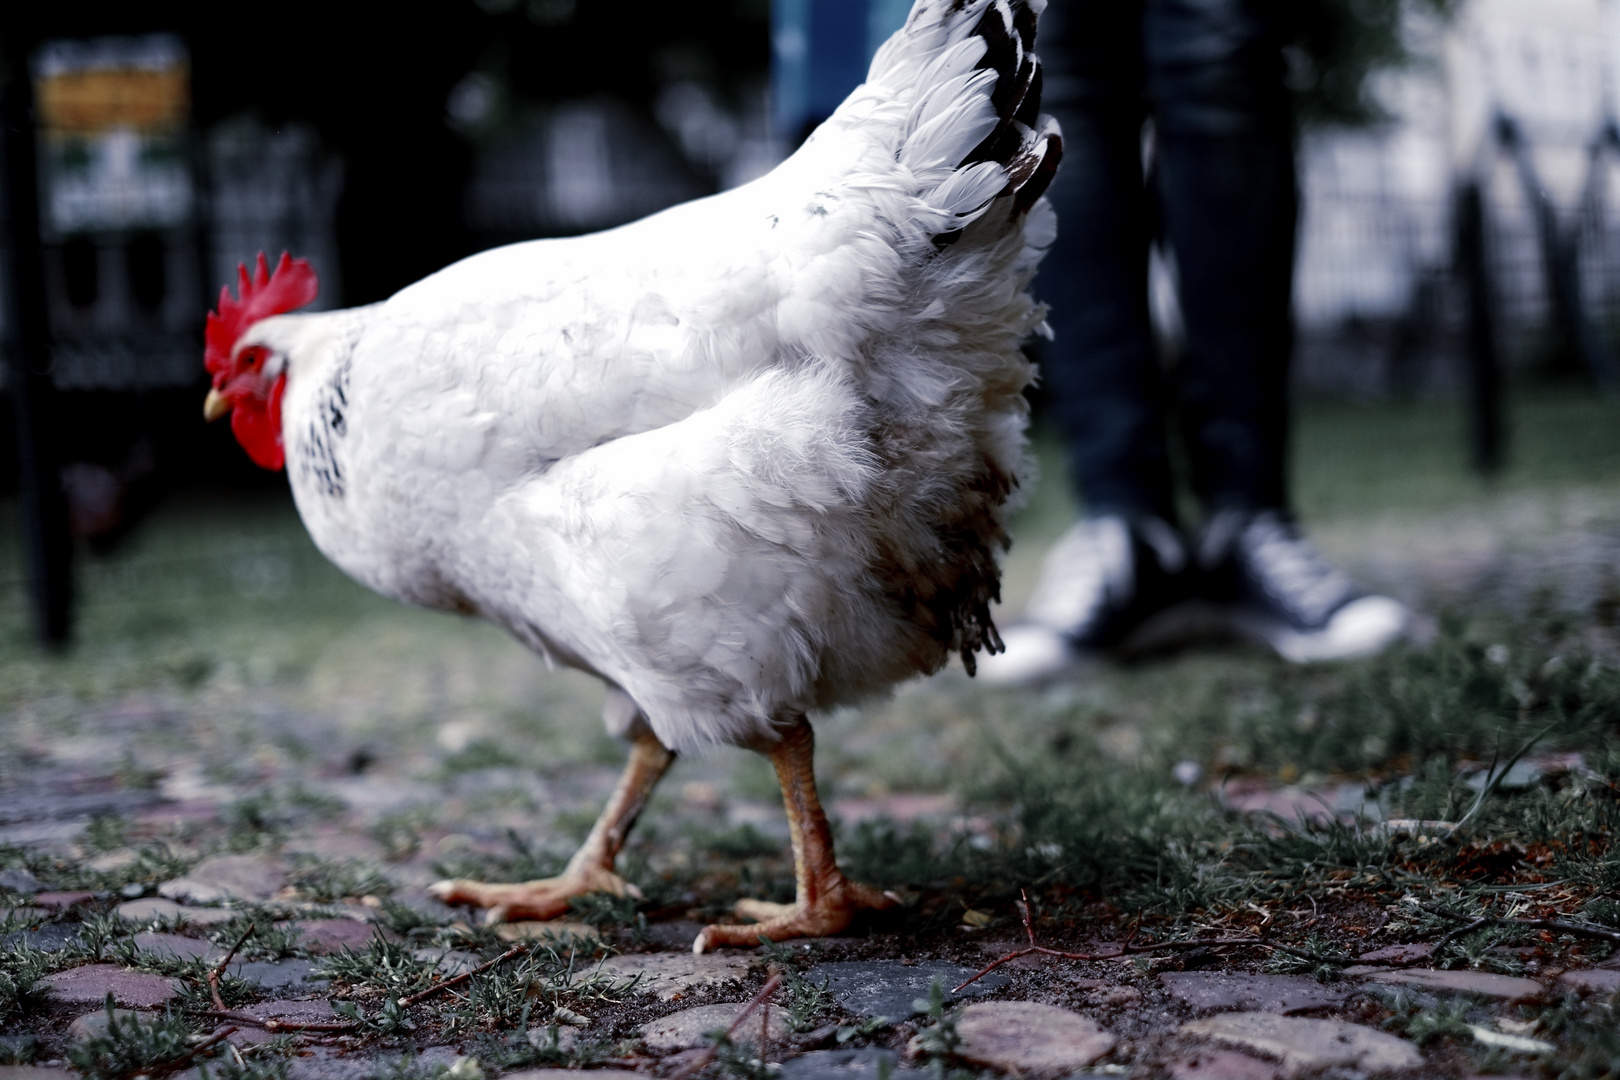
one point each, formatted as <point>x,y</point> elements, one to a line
<point>1280,592</point>
<point>1101,582</point>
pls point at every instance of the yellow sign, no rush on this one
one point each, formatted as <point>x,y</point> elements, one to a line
<point>90,102</point>
<point>113,115</point>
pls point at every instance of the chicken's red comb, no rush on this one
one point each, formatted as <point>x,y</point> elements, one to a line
<point>262,294</point>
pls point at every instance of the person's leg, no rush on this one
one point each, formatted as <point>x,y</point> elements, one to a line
<point>1122,563</point>
<point>1101,371</point>
<point>1227,189</point>
<point>1228,194</point>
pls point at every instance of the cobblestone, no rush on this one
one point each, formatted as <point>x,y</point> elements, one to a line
<point>1028,1038</point>
<point>1303,1044</point>
<point>89,985</point>
<point>228,877</point>
<point>889,988</point>
<point>690,1027</point>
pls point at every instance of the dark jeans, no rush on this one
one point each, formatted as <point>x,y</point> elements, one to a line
<point>1222,193</point>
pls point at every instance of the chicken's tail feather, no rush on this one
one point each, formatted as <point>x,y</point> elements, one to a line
<point>948,154</point>
<point>974,123</point>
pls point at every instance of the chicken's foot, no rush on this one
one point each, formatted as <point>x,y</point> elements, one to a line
<point>827,901</point>
<point>591,868</point>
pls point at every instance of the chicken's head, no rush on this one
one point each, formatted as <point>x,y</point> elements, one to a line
<point>249,377</point>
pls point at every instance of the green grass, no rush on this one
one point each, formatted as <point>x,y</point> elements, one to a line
<point>134,1044</point>
<point>1413,457</point>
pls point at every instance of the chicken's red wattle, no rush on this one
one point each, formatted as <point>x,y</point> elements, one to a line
<point>257,426</point>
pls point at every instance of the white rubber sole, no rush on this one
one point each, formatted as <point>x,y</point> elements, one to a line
<point>1360,628</point>
<point>1364,627</point>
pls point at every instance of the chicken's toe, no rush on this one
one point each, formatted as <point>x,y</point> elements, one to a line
<point>546,898</point>
<point>829,913</point>
<point>763,910</point>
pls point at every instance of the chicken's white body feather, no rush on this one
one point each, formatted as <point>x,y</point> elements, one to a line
<point>727,457</point>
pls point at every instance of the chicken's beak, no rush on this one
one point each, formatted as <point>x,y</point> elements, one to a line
<point>216,406</point>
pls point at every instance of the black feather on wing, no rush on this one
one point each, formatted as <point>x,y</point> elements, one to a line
<point>1024,142</point>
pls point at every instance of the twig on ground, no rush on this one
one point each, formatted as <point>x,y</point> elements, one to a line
<point>1127,949</point>
<point>213,976</point>
<point>439,987</point>
<point>1458,931</point>
<point>705,1059</point>
<point>350,1025</point>
<point>1554,925</point>
<point>1469,924</point>
<point>189,1056</point>
<point>285,1025</point>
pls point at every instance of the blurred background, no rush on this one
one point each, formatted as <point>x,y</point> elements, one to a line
<point>1459,241</point>
<point>1457,304</point>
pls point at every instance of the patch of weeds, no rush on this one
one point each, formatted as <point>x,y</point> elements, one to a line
<point>406,921</point>
<point>862,1032</point>
<point>263,818</point>
<point>397,834</point>
<point>807,1002</point>
<point>885,854</point>
<point>1591,1029</point>
<point>938,1041</point>
<point>547,978</point>
<point>1282,963</point>
<point>525,863</point>
<point>313,804</point>
<point>254,821</point>
<point>267,942</point>
<point>1423,1022</point>
<point>603,909</point>
<point>19,916</point>
<point>233,990</point>
<point>381,965</point>
<point>19,1050</point>
<point>1459,696</point>
<point>390,1019</point>
<point>406,1067</point>
<point>1479,949</point>
<point>479,754</point>
<point>740,1060</point>
<point>326,882</point>
<point>1603,912</point>
<point>740,842</point>
<point>1081,822</point>
<point>99,933</point>
<point>552,1044</point>
<point>105,832</point>
<point>133,1045</point>
<point>256,1067</point>
<point>153,864</point>
<point>21,966</point>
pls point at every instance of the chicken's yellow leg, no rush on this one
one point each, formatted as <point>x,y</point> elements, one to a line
<point>827,901</point>
<point>591,868</point>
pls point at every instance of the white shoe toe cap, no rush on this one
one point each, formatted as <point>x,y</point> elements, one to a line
<point>1033,653</point>
<point>1362,627</point>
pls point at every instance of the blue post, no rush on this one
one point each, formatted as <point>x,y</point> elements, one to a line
<point>820,50</point>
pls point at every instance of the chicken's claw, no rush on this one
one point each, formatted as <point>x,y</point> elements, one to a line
<point>829,913</point>
<point>546,898</point>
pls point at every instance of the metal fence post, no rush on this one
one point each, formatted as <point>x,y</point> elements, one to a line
<point>47,545</point>
<point>1484,365</point>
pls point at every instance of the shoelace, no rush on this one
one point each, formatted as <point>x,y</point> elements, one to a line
<point>1290,570</point>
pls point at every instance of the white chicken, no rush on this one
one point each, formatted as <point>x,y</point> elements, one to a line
<point>748,458</point>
